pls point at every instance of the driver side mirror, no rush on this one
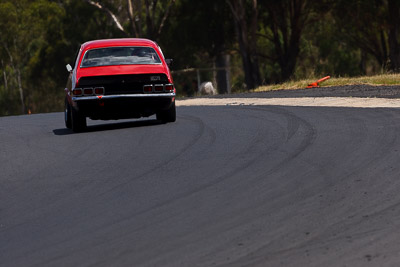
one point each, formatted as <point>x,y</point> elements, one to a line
<point>169,61</point>
<point>69,68</point>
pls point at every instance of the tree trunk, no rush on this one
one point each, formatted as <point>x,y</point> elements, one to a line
<point>5,81</point>
<point>149,21</point>
<point>5,76</point>
<point>19,82</point>
<point>154,21</point>
<point>287,20</point>
<point>21,92</point>
<point>132,18</point>
<point>363,62</point>
<point>222,62</point>
<point>164,18</point>
<point>394,24</point>
<point>247,41</point>
<point>111,14</point>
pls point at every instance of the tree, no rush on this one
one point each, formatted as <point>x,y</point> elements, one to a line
<point>393,24</point>
<point>146,18</point>
<point>374,27</point>
<point>9,20</point>
<point>24,26</point>
<point>200,40</point>
<point>284,22</point>
<point>245,14</point>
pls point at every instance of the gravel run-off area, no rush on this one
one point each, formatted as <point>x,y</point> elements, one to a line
<point>341,96</point>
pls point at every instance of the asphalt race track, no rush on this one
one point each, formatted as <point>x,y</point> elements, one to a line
<point>223,186</point>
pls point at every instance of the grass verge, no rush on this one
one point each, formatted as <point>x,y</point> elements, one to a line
<point>383,79</point>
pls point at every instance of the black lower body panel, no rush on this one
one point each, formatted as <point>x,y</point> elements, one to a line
<point>122,108</point>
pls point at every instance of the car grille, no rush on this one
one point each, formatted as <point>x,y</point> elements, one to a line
<point>122,84</point>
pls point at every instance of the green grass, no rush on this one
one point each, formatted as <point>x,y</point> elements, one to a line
<point>383,79</point>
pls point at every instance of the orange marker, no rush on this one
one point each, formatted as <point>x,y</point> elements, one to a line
<point>316,84</point>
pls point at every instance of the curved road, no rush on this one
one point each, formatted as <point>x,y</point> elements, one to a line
<point>223,186</point>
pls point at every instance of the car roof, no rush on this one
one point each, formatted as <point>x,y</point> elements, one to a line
<point>118,42</point>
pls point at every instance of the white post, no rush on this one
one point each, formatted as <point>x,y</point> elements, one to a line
<point>198,79</point>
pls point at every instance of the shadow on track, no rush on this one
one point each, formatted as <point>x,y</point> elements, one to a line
<point>110,126</point>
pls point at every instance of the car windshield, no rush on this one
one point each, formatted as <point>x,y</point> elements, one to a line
<point>120,56</point>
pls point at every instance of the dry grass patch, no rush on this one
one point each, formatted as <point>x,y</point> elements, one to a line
<point>383,79</point>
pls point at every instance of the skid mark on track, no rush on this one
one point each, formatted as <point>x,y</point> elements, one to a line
<point>202,129</point>
<point>367,222</point>
<point>255,142</point>
<point>294,124</point>
<point>263,216</point>
<point>307,140</point>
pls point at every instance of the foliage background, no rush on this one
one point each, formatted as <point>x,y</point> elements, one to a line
<point>280,39</point>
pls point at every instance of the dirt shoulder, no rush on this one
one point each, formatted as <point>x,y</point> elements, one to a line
<point>342,96</point>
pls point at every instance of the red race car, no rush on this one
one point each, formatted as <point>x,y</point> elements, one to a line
<point>118,79</point>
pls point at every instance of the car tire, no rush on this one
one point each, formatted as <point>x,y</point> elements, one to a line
<point>67,115</point>
<point>78,121</point>
<point>168,115</point>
